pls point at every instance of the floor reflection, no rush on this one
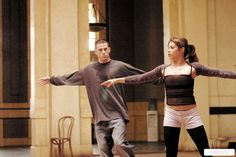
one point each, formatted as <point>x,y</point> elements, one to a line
<point>14,151</point>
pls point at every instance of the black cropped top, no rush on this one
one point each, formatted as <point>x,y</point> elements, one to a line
<point>179,89</point>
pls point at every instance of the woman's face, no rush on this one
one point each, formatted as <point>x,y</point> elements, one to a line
<point>174,51</point>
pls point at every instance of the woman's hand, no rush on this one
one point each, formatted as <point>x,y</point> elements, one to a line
<point>110,82</point>
<point>194,74</point>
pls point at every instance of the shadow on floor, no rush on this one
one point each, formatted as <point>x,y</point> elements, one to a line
<point>148,147</point>
<point>140,148</point>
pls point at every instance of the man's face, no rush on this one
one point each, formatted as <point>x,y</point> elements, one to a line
<point>103,52</point>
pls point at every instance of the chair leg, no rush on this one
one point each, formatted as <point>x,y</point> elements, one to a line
<point>59,150</point>
<point>51,145</point>
<point>62,149</point>
<point>70,149</point>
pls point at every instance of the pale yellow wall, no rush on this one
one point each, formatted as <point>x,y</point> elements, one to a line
<point>39,104</point>
<point>222,31</point>
<point>137,127</point>
<point>59,45</point>
<point>209,25</point>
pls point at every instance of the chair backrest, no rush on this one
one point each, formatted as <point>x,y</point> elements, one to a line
<point>65,125</point>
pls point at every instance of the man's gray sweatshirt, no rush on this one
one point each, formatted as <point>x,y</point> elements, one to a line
<point>106,103</point>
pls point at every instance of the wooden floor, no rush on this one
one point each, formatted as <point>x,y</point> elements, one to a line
<point>141,148</point>
<point>25,152</point>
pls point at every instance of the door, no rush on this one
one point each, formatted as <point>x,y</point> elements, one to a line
<point>14,78</point>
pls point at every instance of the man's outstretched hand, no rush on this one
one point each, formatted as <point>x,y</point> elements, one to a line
<point>44,81</point>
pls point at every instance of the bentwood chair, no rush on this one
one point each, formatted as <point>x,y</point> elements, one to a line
<point>65,125</point>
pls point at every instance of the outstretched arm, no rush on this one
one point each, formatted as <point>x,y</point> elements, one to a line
<point>110,82</point>
<point>152,76</point>
<point>73,79</point>
<point>212,72</point>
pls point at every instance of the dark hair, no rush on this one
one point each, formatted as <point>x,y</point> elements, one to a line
<point>101,41</point>
<point>189,49</point>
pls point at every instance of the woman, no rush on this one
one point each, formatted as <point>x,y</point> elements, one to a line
<point>178,78</point>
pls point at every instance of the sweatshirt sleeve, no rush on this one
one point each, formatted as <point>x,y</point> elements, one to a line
<point>73,79</point>
<point>206,71</point>
<point>149,77</point>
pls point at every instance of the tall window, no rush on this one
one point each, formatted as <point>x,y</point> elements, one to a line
<point>92,19</point>
<point>97,23</point>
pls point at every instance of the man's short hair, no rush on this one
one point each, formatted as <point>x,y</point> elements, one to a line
<point>101,41</point>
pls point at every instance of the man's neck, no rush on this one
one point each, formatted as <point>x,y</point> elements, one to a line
<point>104,62</point>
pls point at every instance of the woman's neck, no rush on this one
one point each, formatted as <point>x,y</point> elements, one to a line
<point>178,62</point>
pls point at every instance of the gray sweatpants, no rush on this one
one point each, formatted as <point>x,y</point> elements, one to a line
<point>112,133</point>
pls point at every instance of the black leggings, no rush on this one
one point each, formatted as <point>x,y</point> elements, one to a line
<point>171,135</point>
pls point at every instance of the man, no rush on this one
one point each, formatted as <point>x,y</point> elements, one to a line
<point>108,106</point>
